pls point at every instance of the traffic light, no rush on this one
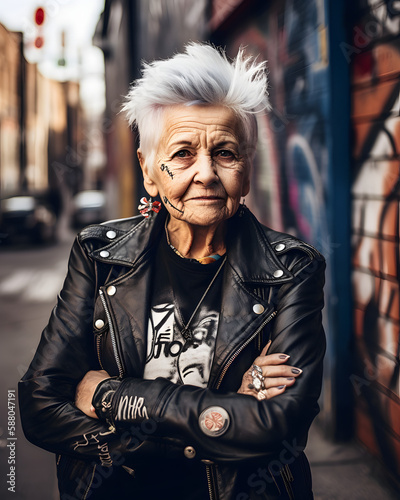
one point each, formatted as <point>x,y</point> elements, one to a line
<point>40,18</point>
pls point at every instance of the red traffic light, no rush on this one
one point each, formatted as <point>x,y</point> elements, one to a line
<point>39,42</point>
<point>39,16</point>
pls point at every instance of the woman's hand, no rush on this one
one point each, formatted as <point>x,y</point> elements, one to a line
<point>86,389</point>
<point>277,376</point>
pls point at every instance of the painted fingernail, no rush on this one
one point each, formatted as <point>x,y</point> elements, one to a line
<point>290,378</point>
<point>296,371</point>
<point>283,356</point>
<point>281,387</point>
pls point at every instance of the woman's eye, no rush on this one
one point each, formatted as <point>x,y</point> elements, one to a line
<point>184,153</point>
<point>225,153</point>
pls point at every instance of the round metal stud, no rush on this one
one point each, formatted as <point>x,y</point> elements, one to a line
<point>189,452</point>
<point>111,290</point>
<point>279,247</point>
<point>104,254</point>
<point>214,421</point>
<point>99,323</point>
<point>111,234</point>
<point>278,273</point>
<point>258,308</point>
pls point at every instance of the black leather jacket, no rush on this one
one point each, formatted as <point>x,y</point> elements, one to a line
<point>272,289</point>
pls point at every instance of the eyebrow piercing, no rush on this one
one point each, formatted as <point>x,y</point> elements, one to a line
<point>166,200</point>
<point>166,168</point>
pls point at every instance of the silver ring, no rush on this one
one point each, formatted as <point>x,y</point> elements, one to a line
<point>258,379</point>
<point>258,369</point>
<point>261,395</point>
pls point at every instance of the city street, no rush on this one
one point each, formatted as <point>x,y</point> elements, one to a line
<point>30,279</point>
<point>310,91</point>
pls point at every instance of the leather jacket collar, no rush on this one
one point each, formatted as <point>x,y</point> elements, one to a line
<point>252,265</point>
<point>250,253</point>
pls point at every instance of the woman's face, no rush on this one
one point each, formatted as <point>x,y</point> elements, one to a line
<point>200,169</point>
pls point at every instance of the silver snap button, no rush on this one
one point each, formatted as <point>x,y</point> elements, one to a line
<point>278,273</point>
<point>258,308</point>
<point>104,254</point>
<point>111,290</point>
<point>279,247</point>
<point>111,235</point>
<point>189,452</point>
<point>99,323</point>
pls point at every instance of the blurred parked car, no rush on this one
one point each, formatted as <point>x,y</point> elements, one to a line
<point>89,208</point>
<point>29,218</point>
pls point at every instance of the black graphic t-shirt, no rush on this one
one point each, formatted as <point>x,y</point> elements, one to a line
<point>179,285</point>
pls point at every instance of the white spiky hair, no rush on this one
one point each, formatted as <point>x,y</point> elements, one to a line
<point>201,74</point>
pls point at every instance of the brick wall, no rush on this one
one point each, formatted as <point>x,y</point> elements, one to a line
<point>374,55</point>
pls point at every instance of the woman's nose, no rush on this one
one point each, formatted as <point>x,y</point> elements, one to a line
<point>205,173</point>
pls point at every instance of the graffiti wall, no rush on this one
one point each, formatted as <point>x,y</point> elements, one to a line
<point>290,176</point>
<point>325,56</point>
<point>291,170</point>
<point>374,55</point>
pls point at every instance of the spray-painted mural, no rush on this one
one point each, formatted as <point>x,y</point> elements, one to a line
<point>290,177</point>
<point>291,191</point>
<point>374,55</point>
<point>291,170</point>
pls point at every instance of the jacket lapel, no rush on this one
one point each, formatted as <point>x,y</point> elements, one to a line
<point>130,304</point>
<point>251,264</point>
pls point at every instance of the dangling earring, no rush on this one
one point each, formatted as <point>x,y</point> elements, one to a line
<point>148,206</point>
<point>242,208</point>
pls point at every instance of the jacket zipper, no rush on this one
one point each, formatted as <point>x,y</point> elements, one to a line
<point>209,469</point>
<point>112,334</point>
<point>98,341</point>
<point>210,482</point>
<point>287,478</point>
<point>90,483</point>
<point>236,353</point>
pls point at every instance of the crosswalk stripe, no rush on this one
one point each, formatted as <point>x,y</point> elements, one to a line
<point>33,285</point>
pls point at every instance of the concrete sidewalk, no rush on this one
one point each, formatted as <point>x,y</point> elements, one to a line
<point>346,471</point>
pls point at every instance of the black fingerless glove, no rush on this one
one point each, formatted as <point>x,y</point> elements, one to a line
<point>103,398</point>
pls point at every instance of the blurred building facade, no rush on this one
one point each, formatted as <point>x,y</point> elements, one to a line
<point>327,168</point>
<point>9,109</point>
<point>130,31</point>
<point>40,128</point>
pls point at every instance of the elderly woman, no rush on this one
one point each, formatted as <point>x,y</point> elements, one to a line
<point>163,372</point>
